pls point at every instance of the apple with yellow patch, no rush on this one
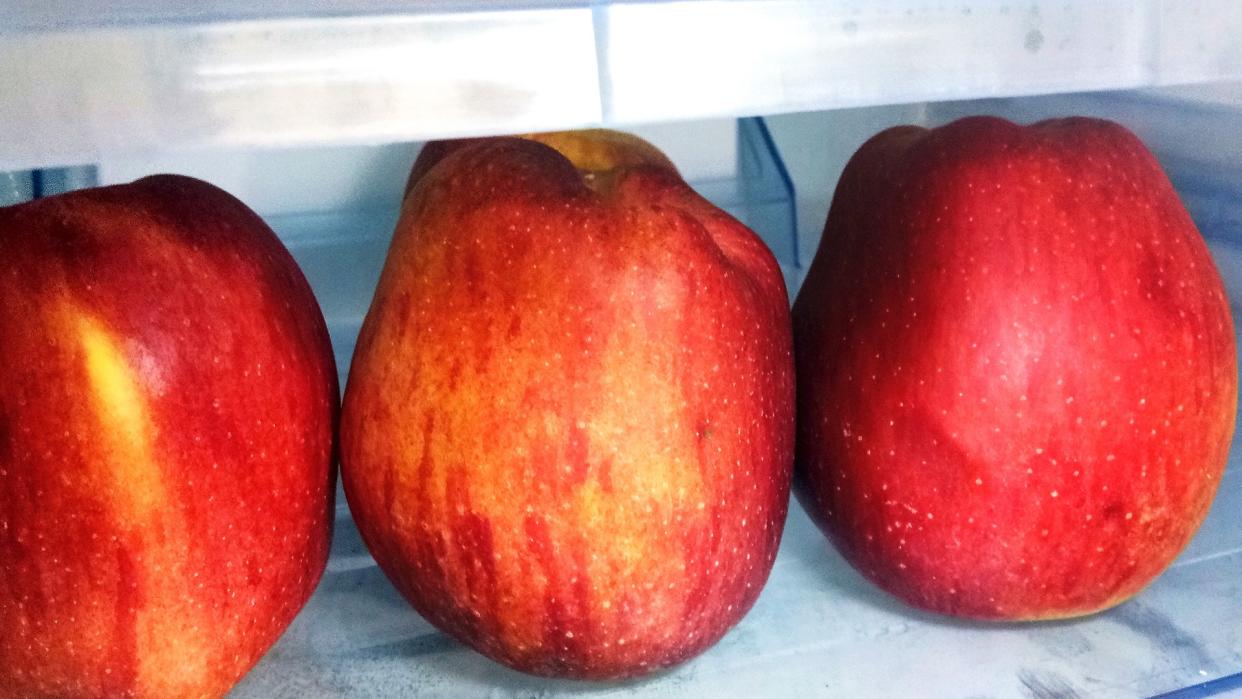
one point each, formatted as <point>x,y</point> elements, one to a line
<point>568,429</point>
<point>166,442</point>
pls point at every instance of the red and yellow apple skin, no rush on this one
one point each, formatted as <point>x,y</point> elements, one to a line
<point>1016,369</point>
<point>567,435</point>
<point>166,442</point>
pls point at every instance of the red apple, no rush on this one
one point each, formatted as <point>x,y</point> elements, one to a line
<point>567,435</point>
<point>1016,368</point>
<point>166,442</point>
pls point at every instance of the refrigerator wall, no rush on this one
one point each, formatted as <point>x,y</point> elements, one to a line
<point>313,116</point>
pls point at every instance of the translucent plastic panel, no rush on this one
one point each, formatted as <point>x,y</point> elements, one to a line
<point>145,74</point>
<point>71,92</point>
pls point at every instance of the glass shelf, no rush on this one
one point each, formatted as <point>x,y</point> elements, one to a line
<point>148,74</point>
<point>818,629</point>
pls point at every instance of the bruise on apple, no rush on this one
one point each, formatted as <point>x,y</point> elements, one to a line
<point>1016,368</point>
<point>166,442</point>
<point>568,430</point>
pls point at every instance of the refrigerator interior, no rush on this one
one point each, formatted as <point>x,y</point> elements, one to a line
<point>236,93</point>
<point>818,627</point>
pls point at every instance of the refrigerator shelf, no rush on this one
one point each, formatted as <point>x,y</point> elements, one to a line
<point>147,75</point>
<point>818,629</point>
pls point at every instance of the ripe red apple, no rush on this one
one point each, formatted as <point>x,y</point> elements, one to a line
<point>166,442</point>
<point>567,435</point>
<point>1016,368</point>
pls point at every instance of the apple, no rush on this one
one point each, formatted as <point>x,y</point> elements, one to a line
<point>1016,368</point>
<point>166,441</point>
<point>567,435</point>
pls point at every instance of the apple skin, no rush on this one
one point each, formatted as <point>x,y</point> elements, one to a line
<point>166,441</point>
<point>567,435</point>
<point>1016,369</point>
